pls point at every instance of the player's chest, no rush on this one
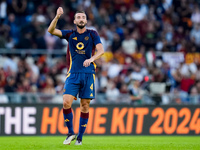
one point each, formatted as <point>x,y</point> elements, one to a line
<point>80,40</point>
<point>80,44</point>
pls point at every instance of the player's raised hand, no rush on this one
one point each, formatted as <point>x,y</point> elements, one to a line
<point>87,62</point>
<point>59,12</point>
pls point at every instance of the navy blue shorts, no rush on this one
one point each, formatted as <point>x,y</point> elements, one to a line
<point>80,83</point>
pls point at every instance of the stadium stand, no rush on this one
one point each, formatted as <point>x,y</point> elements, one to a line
<point>152,50</point>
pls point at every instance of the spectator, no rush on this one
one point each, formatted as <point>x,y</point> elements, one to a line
<point>123,89</point>
<point>114,69</point>
<point>135,92</point>
<point>196,15</point>
<point>10,66</point>
<point>13,27</point>
<point>3,97</point>
<point>129,45</point>
<point>151,36</point>
<point>26,87</point>
<point>2,37</point>
<point>49,88</point>
<point>25,41</point>
<point>137,14</point>
<point>3,10</point>
<point>137,74</point>
<point>41,41</point>
<point>50,40</point>
<point>112,93</point>
<point>59,85</point>
<point>2,77</point>
<point>193,95</point>
<point>116,44</point>
<point>198,86</point>
<point>10,88</point>
<point>18,7</point>
<point>194,34</point>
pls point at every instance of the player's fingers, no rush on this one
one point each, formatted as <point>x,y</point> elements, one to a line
<point>87,64</point>
<point>61,9</point>
<point>84,63</point>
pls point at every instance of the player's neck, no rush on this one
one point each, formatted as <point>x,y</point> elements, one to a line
<point>80,31</point>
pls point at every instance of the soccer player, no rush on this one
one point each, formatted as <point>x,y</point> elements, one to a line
<point>81,73</point>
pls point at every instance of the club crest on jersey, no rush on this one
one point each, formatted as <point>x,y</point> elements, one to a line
<point>86,38</point>
<point>80,46</point>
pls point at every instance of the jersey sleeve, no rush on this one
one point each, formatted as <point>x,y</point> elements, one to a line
<point>66,34</point>
<point>96,37</point>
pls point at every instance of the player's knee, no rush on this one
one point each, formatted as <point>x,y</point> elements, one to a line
<point>85,107</point>
<point>66,104</point>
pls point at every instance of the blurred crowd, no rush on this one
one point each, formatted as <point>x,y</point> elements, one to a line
<point>152,48</point>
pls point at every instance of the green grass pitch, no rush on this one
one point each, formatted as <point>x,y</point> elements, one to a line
<point>101,143</point>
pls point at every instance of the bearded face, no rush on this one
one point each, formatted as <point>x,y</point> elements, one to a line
<point>80,20</point>
<point>81,24</point>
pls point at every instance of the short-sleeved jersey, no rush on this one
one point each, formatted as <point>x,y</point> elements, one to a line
<point>80,48</point>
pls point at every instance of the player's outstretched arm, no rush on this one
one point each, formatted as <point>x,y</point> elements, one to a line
<point>99,53</point>
<point>52,27</point>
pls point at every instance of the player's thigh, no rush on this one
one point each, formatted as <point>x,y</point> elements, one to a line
<point>72,85</point>
<point>85,105</point>
<point>88,88</point>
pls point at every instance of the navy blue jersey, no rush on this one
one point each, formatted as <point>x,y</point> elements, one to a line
<point>80,48</point>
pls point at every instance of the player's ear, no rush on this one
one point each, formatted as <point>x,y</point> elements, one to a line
<point>74,21</point>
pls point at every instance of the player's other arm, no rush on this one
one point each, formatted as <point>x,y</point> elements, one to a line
<point>99,53</point>
<point>52,27</point>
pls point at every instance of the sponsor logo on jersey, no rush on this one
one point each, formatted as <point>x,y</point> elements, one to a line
<point>80,47</point>
<point>75,38</point>
<point>84,125</point>
<point>66,120</point>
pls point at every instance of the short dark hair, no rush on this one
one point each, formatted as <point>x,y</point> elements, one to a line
<point>79,11</point>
